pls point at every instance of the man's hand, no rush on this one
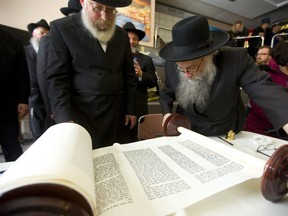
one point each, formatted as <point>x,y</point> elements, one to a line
<point>164,118</point>
<point>285,128</point>
<point>132,119</point>
<point>23,110</point>
<point>138,70</point>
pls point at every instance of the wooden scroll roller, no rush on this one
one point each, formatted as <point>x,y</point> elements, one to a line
<point>275,175</point>
<point>174,121</point>
<point>44,199</point>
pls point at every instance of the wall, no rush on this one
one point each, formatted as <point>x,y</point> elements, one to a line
<point>19,13</point>
<point>166,17</point>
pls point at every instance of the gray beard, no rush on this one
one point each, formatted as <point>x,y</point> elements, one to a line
<point>197,90</point>
<point>35,43</point>
<point>133,49</point>
<point>102,36</point>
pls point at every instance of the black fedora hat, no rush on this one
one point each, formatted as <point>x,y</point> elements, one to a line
<point>129,27</point>
<point>114,3</point>
<point>41,23</point>
<point>193,39</point>
<point>74,6</point>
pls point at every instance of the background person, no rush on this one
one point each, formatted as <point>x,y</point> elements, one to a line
<point>144,70</point>
<point>238,30</point>
<point>90,73</point>
<point>37,111</point>
<point>73,7</point>
<point>262,30</point>
<point>262,60</point>
<point>263,56</point>
<point>275,29</point>
<point>205,78</point>
<point>14,91</point>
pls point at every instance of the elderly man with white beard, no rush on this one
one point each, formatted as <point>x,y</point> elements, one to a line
<point>90,72</point>
<point>205,77</point>
<point>37,111</point>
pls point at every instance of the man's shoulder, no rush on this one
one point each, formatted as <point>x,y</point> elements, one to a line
<point>119,30</point>
<point>65,20</point>
<point>45,39</point>
<point>232,50</point>
<point>232,54</point>
<point>257,30</point>
<point>9,36</point>
<point>121,34</point>
<point>28,47</point>
<point>144,56</point>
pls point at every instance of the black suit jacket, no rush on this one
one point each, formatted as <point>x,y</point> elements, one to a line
<point>35,98</point>
<point>41,70</point>
<point>225,111</point>
<point>14,76</point>
<point>87,85</point>
<point>149,80</point>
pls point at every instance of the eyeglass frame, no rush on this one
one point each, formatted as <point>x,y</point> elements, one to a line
<point>262,148</point>
<point>262,54</point>
<point>99,9</point>
<point>187,70</point>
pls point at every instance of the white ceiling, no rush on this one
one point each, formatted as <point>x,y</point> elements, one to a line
<point>228,11</point>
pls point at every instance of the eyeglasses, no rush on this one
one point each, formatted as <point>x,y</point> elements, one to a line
<point>98,9</point>
<point>190,69</point>
<point>266,147</point>
<point>262,149</point>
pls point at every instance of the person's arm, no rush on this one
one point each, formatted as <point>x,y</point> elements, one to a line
<point>23,79</point>
<point>42,57</point>
<point>272,98</point>
<point>167,94</point>
<point>23,82</point>
<point>148,76</point>
<point>58,75</point>
<point>130,86</point>
<point>23,110</point>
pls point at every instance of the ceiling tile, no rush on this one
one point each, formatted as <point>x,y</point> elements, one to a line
<point>246,8</point>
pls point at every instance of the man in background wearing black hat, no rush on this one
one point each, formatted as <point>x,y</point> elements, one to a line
<point>37,111</point>
<point>144,70</point>
<point>264,31</point>
<point>205,78</point>
<point>73,7</point>
<point>90,72</point>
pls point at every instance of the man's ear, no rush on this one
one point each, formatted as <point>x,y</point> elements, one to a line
<point>81,2</point>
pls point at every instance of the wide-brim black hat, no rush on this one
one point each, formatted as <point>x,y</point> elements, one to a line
<point>41,23</point>
<point>129,27</point>
<point>114,3</point>
<point>74,6</point>
<point>193,39</point>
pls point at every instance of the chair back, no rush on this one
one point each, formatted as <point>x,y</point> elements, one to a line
<point>150,126</point>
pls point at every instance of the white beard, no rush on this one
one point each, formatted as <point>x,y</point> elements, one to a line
<point>197,90</point>
<point>35,43</point>
<point>102,35</point>
<point>134,49</point>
